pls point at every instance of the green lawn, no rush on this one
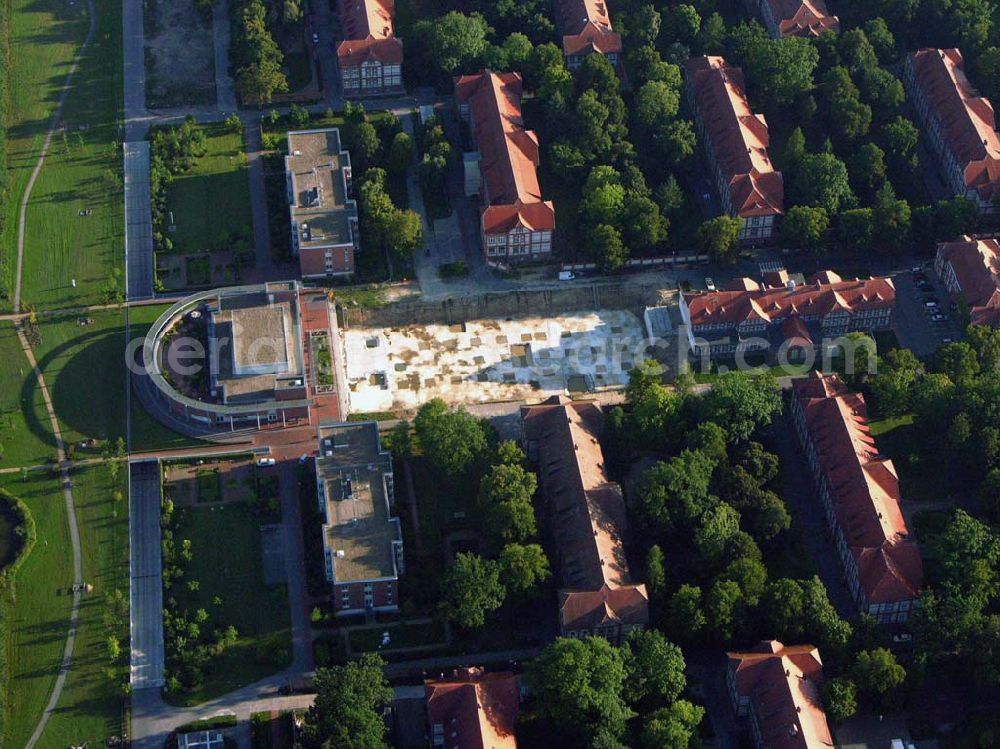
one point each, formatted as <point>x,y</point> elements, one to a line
<point>24,427</point>
<point>402,635</point>
<point>91,708</point>
<point>227,563</point>
<point>44,35</point>
<point>211,203</point>
<point>82,173</point>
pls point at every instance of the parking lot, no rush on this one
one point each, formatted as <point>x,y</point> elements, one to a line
<point>925,317</point>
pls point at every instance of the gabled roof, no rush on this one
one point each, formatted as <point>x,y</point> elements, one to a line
<point>976,263</point>
<point>368,32</point>
<point>585,25</point>
<point>474,709</point>
<point>864,488</point>
<point>739,138</point>
<point>783,684</point>
<point>589,513</point>
<point>509,154</point>
<point>825,293</point>
<point>967,119</point>
<point>802,17</point>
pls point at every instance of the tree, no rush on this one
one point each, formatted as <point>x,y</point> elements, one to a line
<point>645,26</point>
<point>751,575</point>
<point>656,573</point>
<point>348,708</point>
<point>643,225</point>
<point>675,727</point>
<point>867,168</point>
<point>821,621</point>
<point>578,685</point>
<point>890,219</point>
<point>849,117</point>
<point>405,233</point>
<point>899,139</point>
<point>674,495</point>
<point>840,698</point>
<point>959,361</point>
<point>471,588</point>
<point>685,618</point>
<point>675,140</point>
<point>741,403</point>
<point>723,608</point>
<point>783,606</point>
<point>896,375</point>
<point>606,247</point>
<point>877,673</point>
<point>882,40</point>
<point>455,41</point>
<point>655,667</point>
<point>454,442</point>
<point>720,236</point>
<point>855,358</point>
<point>781,68</point>
<point>258,82</point>
<point>400,153</point>
<point>602,199</point>
<point>656,102</point>
<point>523,568</point>
<point>681,23</point>
<point>718,526</point>
<point>820,179</point>
<point>805,226</point>
<point>856,228</point>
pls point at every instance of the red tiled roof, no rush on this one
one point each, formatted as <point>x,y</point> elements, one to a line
<point>819,297</point>
<point>590,512</point>
<point>803,17</point>
<point>586,24</point>
<point>509,153</point>
<point>738,137</point>
<point>795,332</point>
<point>476,710</point>
<point>864,488</point>
<point>967,119</point>
<point>783,684</point>
<point>976,263</point>
<point>368,33</point>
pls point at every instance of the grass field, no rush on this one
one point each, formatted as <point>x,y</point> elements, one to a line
<point>82,173</point>
<point>24,428</point>
<point>44,35</point>
<point>233,570</point>
<point>91,708</point>
<point>211,203</point>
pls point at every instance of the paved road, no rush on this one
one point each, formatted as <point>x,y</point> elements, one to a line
<point>258,199</point>
<point>139,258</point>
<point>325,24</point>
<point>295,569</point>
<point>225,93</point>
<point>145,580</point>
<point>134,57</point>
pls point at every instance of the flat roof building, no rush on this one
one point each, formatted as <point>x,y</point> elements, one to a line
<point>362,540</point>
<point>324,214</point>
<point>735,140</point>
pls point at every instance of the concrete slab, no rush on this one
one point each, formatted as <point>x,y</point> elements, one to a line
<point>490,360</point>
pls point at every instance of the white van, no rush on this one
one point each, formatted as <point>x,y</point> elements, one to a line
<point>566,275</point>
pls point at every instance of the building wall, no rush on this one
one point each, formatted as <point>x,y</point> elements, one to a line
<point>615,633</point>
<point>372,78</point>
<point>357,596</point>
<point>327,261</point>
<point>518,245</point>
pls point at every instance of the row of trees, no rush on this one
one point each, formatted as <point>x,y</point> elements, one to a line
<point>173,150</point>
<point>255,55</point>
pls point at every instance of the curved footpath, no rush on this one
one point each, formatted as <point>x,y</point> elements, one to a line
<point>64,464</point>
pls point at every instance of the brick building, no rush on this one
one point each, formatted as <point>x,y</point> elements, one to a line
<point>362,541</point>
<point>472,708</point>
<point>859,492</point>
<point>321,205</point>
<point>735,140</point>
<point>370,57</point>
<point>783,318</point>
<point>597,595</point>
<point>516,223</point>
<point>777,688</point>
<point>970,268</point>
<point>585,27</point>
<point>794,17</point>
<point>959,125</point>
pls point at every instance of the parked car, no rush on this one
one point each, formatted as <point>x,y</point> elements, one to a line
<point>710,284</point>
<point>947,340</point>
<point>266,461</point>
<point>930,304</point>
<point>938,317</point>
<point>315,38</point>
<point>566,275</point>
